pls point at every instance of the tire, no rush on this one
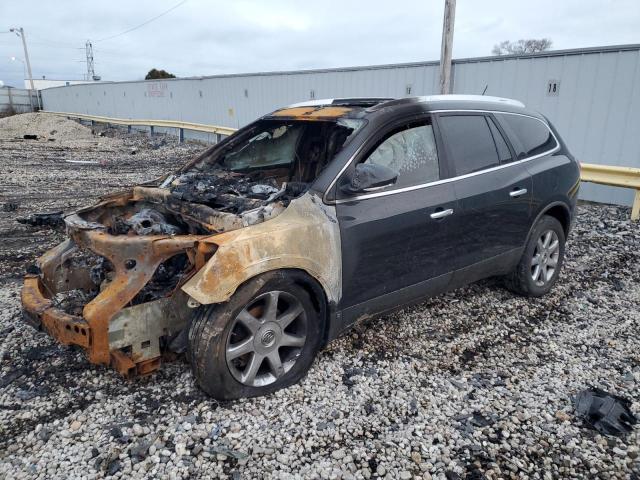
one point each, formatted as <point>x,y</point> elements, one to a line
<point>220,333</point>
<point>523,279</point>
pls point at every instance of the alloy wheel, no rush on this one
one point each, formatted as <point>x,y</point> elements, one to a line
<point>545,258</point>
<point>266,338</point>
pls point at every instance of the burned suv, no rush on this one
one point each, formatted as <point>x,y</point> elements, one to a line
<point>274,241</point>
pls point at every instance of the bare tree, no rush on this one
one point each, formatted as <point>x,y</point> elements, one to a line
<point>530,45</point>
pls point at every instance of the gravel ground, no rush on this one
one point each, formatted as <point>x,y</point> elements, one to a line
<point>472,384</point>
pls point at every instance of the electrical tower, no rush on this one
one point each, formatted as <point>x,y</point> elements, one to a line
<point>91,74</point>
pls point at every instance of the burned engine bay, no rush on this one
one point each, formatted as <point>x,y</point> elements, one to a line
<point>194,203</point>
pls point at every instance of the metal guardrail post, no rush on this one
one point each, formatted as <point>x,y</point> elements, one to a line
<point>128,128</point>
<point>635,209</point>
<point>180,135</point>
<point>151,130</point>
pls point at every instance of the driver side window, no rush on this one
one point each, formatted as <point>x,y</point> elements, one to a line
<point>411,153</point>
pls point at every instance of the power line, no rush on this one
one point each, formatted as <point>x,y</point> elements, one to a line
<point>143,23</point>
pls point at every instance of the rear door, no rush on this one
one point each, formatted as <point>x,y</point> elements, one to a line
<point>396,242</point>
<point>551,174</point>
<point>493,193</point>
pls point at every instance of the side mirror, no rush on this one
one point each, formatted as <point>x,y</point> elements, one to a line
<point>368,177</point>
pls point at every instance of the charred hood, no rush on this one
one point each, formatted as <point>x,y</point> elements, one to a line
<point>194,203</point>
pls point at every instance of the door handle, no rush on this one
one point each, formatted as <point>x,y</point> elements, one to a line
<point>517,193</point>
<point>442,213</point>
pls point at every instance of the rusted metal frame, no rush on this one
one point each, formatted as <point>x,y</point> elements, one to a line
<point>68,329</point>
<point>123,364</point>
<point>129,279</point>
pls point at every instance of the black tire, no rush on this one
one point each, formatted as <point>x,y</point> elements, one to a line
<point>521,280</point>
<point>213,325</point>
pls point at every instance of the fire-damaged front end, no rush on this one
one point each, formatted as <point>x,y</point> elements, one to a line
<point>123,286</point>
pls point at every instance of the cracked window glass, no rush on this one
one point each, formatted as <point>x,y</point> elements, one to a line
<point>411,153</point>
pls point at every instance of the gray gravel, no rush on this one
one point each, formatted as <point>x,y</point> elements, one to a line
<point>473,383</point>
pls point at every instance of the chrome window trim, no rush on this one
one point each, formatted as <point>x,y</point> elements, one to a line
<point>446,180</point>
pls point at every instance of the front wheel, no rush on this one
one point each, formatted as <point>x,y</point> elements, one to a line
<point>263,339</point>
<point>541,261</point>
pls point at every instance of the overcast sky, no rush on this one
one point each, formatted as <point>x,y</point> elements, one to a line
<point>211,37</point>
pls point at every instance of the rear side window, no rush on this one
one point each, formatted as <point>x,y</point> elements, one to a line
<point>411,153</point>
<point>529,136</point>
<point>471,143</point>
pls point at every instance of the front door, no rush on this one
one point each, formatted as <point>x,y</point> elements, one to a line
<point>396,242</point>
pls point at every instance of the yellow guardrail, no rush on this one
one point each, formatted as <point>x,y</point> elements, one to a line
<point>627,177</point>
<point>180,126</point>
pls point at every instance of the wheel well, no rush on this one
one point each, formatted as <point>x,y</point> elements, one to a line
<point>317,295</point>
<point>560,213</point>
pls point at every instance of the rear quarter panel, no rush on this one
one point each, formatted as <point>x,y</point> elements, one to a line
<point>555,178</point>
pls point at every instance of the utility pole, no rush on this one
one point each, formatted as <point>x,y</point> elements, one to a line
<point>20,33</point>
<point>447,46</point>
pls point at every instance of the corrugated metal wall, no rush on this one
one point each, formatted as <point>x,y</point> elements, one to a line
<point>591,95</point>
<point>16,100</point>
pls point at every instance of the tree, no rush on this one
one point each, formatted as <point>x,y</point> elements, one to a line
<point>531,45</point>
<point>155,74</point>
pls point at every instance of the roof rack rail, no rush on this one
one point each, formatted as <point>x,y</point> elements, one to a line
<point>361,102</point>
<point>355,102</point>
<point>451,98</point>
<point>472,98</point>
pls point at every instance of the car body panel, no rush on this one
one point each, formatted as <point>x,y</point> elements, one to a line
<point>305,236</point>
<point>489,221</point>
<point>390,242</point>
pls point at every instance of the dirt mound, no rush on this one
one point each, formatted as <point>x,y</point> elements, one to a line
<point>46,127</point>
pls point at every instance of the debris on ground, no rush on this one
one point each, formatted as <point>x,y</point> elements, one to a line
<point>225,450</point>
<point>82,162</point>
<point>608,414</point>
<point>53,220</point>
<point>10,377</point>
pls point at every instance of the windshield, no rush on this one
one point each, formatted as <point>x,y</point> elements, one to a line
<point>289,150</point>
<point>272,145</point>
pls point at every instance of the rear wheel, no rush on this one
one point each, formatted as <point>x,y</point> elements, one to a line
<point>541,261</point>
<point>263,339</point>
